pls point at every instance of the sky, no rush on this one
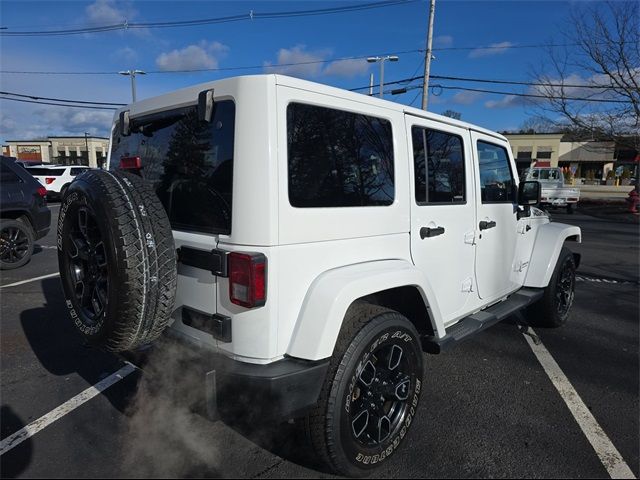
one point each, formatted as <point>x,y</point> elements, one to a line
<point>263,43</point>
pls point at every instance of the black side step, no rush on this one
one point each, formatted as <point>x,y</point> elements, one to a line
<point>477,322</point>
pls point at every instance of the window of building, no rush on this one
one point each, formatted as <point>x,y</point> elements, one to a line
<point>524,154</point>
<point>544,153</point>
<point>496,179</point>
<point>338,158</point>
<point>441,179</point>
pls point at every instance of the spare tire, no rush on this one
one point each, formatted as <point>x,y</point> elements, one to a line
<point>117,260</point>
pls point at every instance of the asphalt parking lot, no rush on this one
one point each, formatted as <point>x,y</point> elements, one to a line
<point>489,408</point>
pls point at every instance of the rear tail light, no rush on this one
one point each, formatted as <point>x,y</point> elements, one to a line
<point>49,180</point>
<point>247,279</point>
<point>130,163</point>
<point>42,192</point>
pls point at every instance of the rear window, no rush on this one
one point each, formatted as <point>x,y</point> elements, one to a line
<point>189,164</point>
<point>45,172</point>
<point>78,171</point>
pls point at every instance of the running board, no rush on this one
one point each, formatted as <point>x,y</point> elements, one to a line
<point>478,321</point>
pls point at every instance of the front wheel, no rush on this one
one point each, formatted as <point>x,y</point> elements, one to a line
<point>553,309</point>
<point>371,392</point>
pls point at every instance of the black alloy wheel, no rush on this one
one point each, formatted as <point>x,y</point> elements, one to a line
<point>380,398</point>
<point>16,244</point>
<point>565,288</point>
<point>553,309</point>
<point>87,264</point>
<point>371,392</point>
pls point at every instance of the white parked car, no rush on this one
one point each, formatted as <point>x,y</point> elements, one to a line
<point>554,191</point>
<point>310,244</point>
<point>56,178</point>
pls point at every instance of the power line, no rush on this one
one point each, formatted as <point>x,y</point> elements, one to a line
<point>33,97</point>
<point>514,82</point>
<point>56,104</point>
<point>250,16</point>
<point>515,94</point>
<point>484,80</point>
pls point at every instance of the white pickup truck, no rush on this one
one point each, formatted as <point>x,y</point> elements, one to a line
<point>554,191</point>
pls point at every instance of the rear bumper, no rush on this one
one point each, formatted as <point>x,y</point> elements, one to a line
<point>278,391</point>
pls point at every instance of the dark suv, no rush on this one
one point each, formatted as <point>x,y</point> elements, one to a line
<point>24,215</point>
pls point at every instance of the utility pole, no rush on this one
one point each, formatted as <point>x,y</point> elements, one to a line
<point>391,58</point>
<point>371,85</point>
<point>132,74</point>
<point>428,55</point>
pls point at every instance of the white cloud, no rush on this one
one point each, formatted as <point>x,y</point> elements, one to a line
<point>106,12</point>
<point>126,54</point>
<point>505,102</point>
<point>347,68</point>
<point>47,121</point>
<point>493,49</point>
<point>308,63</point>
<point>201,55</point>
<point>300,62</point>
<point>443,41</point>
<point>466,98</point>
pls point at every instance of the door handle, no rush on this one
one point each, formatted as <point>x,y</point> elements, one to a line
<point>430,232</point>
<point>484,225</point>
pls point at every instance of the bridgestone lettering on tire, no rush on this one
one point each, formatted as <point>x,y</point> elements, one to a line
<point>375,372</point>
<point>117,260</point>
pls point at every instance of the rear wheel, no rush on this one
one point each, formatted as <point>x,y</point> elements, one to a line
<point>371,392</point>
<point>553,309</point>
<point>16,243</point>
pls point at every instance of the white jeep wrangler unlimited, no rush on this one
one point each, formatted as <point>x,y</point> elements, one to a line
<point>311,243</point>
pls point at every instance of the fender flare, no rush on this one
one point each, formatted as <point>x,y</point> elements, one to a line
<point>549,241</point>
<point>331,293</point>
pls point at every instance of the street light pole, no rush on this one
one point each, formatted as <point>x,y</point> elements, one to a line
<point>132,74</point>
<point>391,58</point>
<point>86,143</point>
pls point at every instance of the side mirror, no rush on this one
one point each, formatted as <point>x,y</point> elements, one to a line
<point>529,193</point>
<point>205,105</point>
<point>125,126</point>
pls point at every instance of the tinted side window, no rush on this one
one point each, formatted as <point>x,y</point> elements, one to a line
<point>338,159</point>
<point>188,162</point>
<point>7,175</point>
<point>78,171</point>
<point>496,181</point>
<point>48,172</point>
<point>441,178</point>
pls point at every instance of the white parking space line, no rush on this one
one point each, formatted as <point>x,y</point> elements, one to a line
<point>34,427</point>
<point>28,280</point>
<point>606,451</point>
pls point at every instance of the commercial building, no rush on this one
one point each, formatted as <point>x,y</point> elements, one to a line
<point>585,159</point>
<point>84,150</point>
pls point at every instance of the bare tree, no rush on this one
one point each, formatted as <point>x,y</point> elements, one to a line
<point>601,64</point>
<point>452,114</point>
